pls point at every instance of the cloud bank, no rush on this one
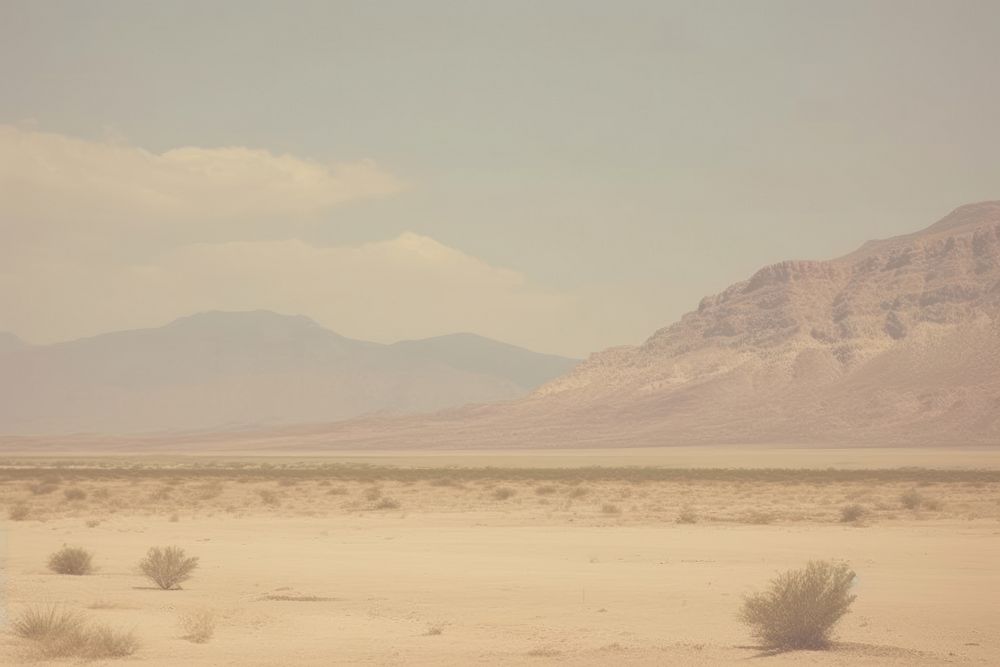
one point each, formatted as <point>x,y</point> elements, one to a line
<point>74,212</point>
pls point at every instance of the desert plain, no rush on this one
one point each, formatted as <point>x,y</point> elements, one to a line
<point>638,557</point>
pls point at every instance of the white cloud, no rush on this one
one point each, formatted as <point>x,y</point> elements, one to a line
<point>50,178</point>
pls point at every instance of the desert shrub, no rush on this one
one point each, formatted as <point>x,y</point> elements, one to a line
<point>914,500</point>
<point>43,488</point>
<point>687,515</point>
<point>373,494</point>
<point>39,623</point>
<point>168,567</point>
<point>578,492</point>
<point>611,508</point>
<point>854,512</point>
<point>18,512</point>
<point>198,625</point>
<point>93,523</point>
<point>757,518</point>
<point>75,494</point>
<point>337,491</point>
<point>71,560</point>
<point>800,607</point>
<point>387,504</point>
<point>103,641</point>
<point>504,493</point>
<point>545,490</point>
<point>269,497</point>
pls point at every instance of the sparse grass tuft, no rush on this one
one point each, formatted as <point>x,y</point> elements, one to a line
<point>39,623</point>
<point>168,567</point>
<point>914,500</point>
<point>800,607</point>
<point>852,513</point>
<point>103,641</point>
<point>198,625</point>
<point>387,504</point>
<point>72,560</point>
<point>435,630</point>
<point>504,493</point>
<point>687,515</point>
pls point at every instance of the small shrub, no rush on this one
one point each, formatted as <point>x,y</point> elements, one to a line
<point>757,518</point>
<point>373,494</point>
<point>93,523</point>
<point>504,493</point>
<point>851,513</point>
<point>800,607</point>
<point>198,626</point>
<point>103,641</point>
<point>687,515</point>
<point>912,499</point>
<point>19,512</point>
<point>611,508</point>
<point>578,492</point>
<point>545,490</point>
<point>387,504</point>
<point>168,567</point>
<point>337,491</point>
<point>75,495</point>
<point>269,497</point>
<point>435,630</point>
<point>43,488</point>
<point>71,560</point>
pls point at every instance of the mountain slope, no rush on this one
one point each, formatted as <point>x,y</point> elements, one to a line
<point>896,343</point>
<point>245,369</point>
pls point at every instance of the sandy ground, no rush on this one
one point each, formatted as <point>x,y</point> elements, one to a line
<point>319,572</point>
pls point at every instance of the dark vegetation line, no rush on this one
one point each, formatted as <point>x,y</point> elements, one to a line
<point>82,470</point>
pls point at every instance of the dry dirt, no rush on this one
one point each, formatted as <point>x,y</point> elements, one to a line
<point>305,562</point>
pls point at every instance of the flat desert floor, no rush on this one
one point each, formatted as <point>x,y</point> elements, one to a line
<point>460,561</point>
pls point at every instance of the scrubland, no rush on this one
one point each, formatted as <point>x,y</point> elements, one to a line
<point>308,562</point>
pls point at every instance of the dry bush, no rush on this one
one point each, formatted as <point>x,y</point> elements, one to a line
<point>800,607</point>
<point>38,623</point>
<point>103,641</point>
<point>504,493</point>
<point>757,518</point>
<point>387,504</point>
<point>72,560</point>
<point>435,630</point>
<point>269,497</point>
<point>168,567</point>
<point>18,512</point>
<point>578,492</point>
<point>914,500</point>
<point>372,494</point>
<point>687,515</point>
<point>74,494</point>
<point>545,490</point>
<point>198,625</point>
<point>611,508</point>
<point>43,488</point>
<point>853,512</point>
<point>93,523</point>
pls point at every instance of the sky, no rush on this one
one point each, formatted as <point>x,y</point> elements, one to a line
<point>566,176</point>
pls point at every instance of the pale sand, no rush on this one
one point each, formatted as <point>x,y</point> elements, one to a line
<point>535,579</point>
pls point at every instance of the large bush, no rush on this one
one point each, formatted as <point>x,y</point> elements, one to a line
<point>800,607</point>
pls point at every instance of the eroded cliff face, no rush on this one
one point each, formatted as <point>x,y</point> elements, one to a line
<point>818,321</point>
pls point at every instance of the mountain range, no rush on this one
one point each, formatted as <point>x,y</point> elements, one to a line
<point>896,343</point>
<point>249,369</point>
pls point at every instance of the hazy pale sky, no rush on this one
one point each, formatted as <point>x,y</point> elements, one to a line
<point>561,175</point>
